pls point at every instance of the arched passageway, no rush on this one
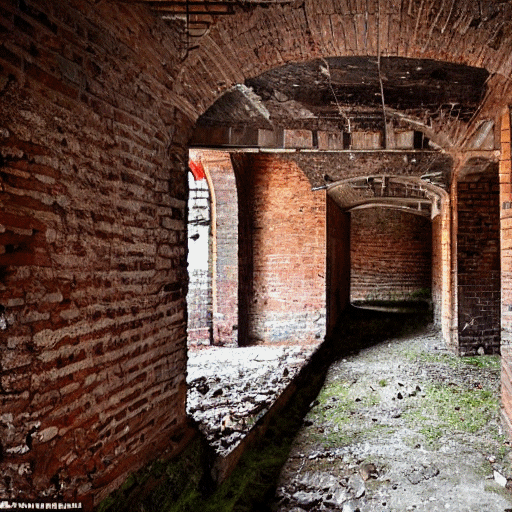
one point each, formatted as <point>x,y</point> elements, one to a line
<point>100,101</point>
<point>213,250</point>
<point>368,131</point>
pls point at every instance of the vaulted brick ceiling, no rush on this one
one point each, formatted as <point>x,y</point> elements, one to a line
<point>337,95</point>
<point>344,93</point>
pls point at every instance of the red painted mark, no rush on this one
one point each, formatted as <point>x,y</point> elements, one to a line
<point>197,170</point>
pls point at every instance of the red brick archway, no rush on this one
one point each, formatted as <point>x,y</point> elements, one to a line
<point>99,101</point>
<point>453,32</point>
<point>267,38</point>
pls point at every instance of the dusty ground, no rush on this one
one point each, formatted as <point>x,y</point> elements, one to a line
<point>230,388</point>
<point>402,426</point>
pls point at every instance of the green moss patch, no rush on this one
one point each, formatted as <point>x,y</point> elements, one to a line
<point>448,409</point>
<point>162,486</point>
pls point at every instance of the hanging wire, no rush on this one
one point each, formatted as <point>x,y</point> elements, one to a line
<point>342,113</point>
<point>385,136</point>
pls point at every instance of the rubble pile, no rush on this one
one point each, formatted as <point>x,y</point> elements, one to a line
<point>229,389</point>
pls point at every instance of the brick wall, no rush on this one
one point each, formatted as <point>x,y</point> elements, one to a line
<point>282,251</point>
<point>391,255</point>
<point>92,247</point>
<point>225,315</point>
<point>505,172</point>
<point>478,263</point>
<point>338,263</point>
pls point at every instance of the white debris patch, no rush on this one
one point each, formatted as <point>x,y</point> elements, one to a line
<point>229,389</point>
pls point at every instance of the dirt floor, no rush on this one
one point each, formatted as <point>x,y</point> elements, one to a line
<point>402,426</point>
<point>229,389</point>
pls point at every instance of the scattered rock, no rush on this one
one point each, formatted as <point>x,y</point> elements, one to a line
<point>419,474</point>
<point>318,480</point>
<point>351,506</point>
<point>500,479</point>
<point>227,423</point>
<point>307,499</point>
<point>218,392</point>
<point>356,485</point>
<point>368,471</point>
<point>239,383</point>
<point>337,498</point>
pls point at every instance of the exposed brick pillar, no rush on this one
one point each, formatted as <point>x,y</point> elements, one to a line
<point>282,248</point>
<point>225,246</point>
<point>441,270</point>
<point>478,262</point>
<point>338,263</point>
<point>506,269</point>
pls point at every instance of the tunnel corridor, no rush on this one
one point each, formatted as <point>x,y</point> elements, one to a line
<point>329,132</point>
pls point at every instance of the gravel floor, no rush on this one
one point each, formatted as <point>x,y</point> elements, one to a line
<point>230,388</point>
<point>402,426</point>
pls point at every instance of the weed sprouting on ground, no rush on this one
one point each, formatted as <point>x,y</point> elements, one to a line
<point>491,362</point>
<point>448,409</point>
